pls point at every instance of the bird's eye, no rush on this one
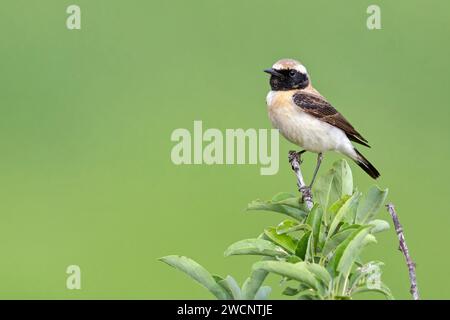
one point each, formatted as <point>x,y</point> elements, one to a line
<point>292,73</point>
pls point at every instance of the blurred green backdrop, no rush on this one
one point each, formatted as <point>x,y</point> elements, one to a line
<point>86,118</point>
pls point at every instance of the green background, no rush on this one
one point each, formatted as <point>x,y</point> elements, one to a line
<point>86,118</point>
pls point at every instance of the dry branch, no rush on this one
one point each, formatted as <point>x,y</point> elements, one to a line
<point>404,248</point>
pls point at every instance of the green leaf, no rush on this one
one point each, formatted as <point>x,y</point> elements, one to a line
<point>302,245</point>
<point>296,271</point>
<point>370,205</point>
<point>343,212</point>
<point>362,272</point>
<point>252,285</point>
<point>263,237</point>
<point>332,243</point>
<point>283,240</point>
<point>293,202</point>
<point>370,238</point>
<point>293,259</point>
<point>231,286</point>
<point>334,208</point>
<point>217,278</point>
<point>379,225</point>
<point>383,289</point>
<point>322,189</point>
<point>315,220</point>
<point>198,273</point>
<point>348,251</point>
<point>343,179</point>
<point>255,247</point>
<point>263,293</point>
<point>333,185</point>
<point>288,199</point>
<point>282,196</point>
<point>310,254</point>
<point>288,226</point>
<point>288,291</point>
<point>319,272</point>
<point>220,281</point>
<point>290,211</point>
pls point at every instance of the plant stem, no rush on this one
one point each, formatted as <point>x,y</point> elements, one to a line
<point>295,161</point>
<point>344,289</point>
<point>404,248</point>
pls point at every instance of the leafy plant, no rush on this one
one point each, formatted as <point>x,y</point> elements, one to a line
<point>316,252</point>
<point>222,288</point>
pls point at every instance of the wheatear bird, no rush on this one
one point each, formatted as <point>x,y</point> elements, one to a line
<point>306,119</point>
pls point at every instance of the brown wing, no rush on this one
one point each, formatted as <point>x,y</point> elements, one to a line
<point>323,110</point>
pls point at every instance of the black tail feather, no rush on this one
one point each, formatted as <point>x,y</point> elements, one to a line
<point>366,165</point>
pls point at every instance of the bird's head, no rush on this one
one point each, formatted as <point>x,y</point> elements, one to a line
<point>288,74</point>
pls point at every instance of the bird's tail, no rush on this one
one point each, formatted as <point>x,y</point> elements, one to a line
<point>366,165</point>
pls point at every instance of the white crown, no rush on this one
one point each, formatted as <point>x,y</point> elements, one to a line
<point>290,64</point>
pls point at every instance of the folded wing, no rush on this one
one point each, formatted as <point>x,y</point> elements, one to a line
<point>321,109</point>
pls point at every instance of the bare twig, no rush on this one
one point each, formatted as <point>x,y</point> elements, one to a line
<point>404,248</point>
<point>295,161</point>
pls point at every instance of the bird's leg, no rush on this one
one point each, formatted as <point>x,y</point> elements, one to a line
<point>301,152</point>
<point>295,161</point>
<point>319,161</point>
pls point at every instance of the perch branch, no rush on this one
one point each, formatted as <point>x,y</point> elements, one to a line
<point>404,248</point>
<point>295,161</point>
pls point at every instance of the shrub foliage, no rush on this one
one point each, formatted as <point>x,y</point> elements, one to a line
<point>316,252</point>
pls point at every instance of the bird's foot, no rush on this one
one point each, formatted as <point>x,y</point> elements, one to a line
<point>306,193</point>
<point>306,190</point>
<point>293,155</point>
<point>296,155</point>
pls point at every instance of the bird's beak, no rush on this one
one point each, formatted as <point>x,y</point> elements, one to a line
<point>273,72</point>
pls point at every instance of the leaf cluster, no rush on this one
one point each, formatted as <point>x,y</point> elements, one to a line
<point>317,253</point>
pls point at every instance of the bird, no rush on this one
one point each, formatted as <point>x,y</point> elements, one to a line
<point>305,118</point>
